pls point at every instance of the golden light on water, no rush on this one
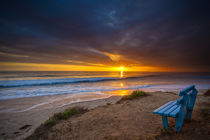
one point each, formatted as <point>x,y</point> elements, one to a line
<point>119,92</point>
<point>121,71</point>
<point>121,74</point>
<point>122,92</point>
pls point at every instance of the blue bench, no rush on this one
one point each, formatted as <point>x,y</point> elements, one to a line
<point>180,109</point>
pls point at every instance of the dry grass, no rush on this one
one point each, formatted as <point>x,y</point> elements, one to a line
<point>63,115</point>
<point>56,118</point>
<point>207,93</point>
<point>133,95</point>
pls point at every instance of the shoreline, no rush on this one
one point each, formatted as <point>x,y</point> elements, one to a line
<point>160,88</point>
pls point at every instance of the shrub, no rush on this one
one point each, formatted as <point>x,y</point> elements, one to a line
<point>108,103</point>
<point>207,93</point>
<point>64,115</point>
<point>43,129</point>
<point>134,94</point>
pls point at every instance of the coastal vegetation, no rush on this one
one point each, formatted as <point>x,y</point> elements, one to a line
<point>56,118</point>
<point>64,115</point>
<point>207,93</point>
<point>108,103</point>
<point>134,94</point>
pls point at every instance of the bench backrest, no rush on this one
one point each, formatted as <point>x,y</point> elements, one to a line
<point>187,100</point>
<point>189,96</point>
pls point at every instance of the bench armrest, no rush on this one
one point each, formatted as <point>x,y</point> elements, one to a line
<point>186,90</point>
<point>179,101</point>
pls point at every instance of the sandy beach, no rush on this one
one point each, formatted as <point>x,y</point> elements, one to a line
<point>33,112</point>
<point>125,120</point>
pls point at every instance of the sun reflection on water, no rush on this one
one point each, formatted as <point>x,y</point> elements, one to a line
<point>121,74</point>
<point>119,92</point>
<point>123,92</point>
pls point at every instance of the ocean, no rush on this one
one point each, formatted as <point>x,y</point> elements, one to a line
<point>23,84</point>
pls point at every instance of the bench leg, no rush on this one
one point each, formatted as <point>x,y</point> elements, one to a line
<point>179,123</point>
<point>188,115</point>
<point>165,122</point>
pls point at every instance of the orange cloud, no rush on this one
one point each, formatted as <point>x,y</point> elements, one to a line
<point>113,57</point>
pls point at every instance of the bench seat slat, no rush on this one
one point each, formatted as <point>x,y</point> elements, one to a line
<point>167,112</point>
<point>175,112</point>
<point>162,107</point>
<point>166,108</point>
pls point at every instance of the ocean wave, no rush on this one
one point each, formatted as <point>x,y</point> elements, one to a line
<point>40,82</point>
<point>34,92</point>
<point>20,83</point>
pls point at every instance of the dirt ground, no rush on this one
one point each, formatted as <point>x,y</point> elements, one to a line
<point>131,120</point>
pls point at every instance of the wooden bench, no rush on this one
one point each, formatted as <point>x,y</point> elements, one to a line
<point>180,109</point>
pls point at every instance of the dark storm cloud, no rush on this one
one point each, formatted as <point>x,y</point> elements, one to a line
<point>151,33</point>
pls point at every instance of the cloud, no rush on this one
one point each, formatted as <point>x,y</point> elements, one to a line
<point>113,57</point>
<point>12,55</point>
<point>84,63</point>
<point>171,34</point>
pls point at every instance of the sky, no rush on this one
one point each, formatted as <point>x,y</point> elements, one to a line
<point>101,35</point>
